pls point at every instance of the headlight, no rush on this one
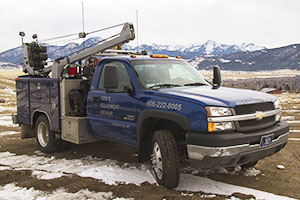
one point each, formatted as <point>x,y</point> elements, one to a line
<point>217,111</point>
<point>277,104</point>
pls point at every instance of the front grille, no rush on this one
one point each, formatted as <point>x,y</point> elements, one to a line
<point>254,124</point>
<point>252,108</point>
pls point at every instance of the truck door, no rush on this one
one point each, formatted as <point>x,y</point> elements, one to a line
<point>112,114</point>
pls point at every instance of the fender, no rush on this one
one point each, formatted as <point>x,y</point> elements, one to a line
<point>43,112</point>
<point>179,119</point>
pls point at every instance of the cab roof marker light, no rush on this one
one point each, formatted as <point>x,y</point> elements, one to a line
<point>159,56</point>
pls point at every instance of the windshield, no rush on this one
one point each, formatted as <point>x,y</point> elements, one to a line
<point>167,73</point>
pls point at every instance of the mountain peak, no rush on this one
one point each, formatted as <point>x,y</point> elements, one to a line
<point>210,47</point>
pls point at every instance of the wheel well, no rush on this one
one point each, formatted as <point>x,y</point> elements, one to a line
<point>149,126</point>
<point>36,115</point>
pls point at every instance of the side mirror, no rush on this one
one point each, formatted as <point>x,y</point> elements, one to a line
<point>217,77</point>
<point>111,77</point>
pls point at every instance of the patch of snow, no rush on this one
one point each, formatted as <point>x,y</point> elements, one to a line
<point>294,139</point>
<point>9,133</point>
<point>109,172</point>
<point>6,120</point>
<point>106,170</point>
<point>210,46</point>
<point>251,172</point>
<point>7,109</point>
<point>46,175</point>
<point>280,167</point>
<point>285,118</point>
<point>7,66</point>
<point>209,196</point>
<point>290,111</point>
<point>294,122</point>
<point>8,90</point>
<point>295,131</point>
<point>251,63</point>
<point>38,152</point>
<point>224,60</point>
<point>11,191</point>
<point>4,168</point>
<point>201,184</point>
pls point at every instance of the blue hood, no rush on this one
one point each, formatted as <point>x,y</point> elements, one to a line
<point>223,96</point>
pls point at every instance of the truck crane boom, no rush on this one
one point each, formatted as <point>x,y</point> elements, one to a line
<point>125,36</point>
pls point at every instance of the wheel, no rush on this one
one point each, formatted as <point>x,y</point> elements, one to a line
<point>46,139</point>
<point>165,159</point>
<point>248,165</point>
<point>26,131</point>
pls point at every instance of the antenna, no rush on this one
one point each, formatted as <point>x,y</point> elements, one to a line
<point>82,9</point>
<point>137,30</point>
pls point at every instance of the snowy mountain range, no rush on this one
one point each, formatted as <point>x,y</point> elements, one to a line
<point>244,57</point>
<point>287,57</point>
<point>208,48</point>
<point>188,52</point>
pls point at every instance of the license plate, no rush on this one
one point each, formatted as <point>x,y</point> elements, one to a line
<point>266,140</point>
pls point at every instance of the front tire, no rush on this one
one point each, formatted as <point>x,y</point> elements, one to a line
<point>165,159</point>
<point>46,139</point>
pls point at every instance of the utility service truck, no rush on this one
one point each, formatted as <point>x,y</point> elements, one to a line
<point>161,105</point>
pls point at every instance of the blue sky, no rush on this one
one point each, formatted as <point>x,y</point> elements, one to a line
<point>270,23</point>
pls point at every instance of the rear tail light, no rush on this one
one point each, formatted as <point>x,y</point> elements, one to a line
<point>72,71</point>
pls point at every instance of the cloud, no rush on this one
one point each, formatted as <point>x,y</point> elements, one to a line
<point>270,22</point>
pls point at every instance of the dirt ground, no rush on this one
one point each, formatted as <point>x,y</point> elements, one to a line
<point>284,182</point>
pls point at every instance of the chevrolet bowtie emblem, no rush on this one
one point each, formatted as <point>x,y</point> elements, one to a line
<point>260,115</point>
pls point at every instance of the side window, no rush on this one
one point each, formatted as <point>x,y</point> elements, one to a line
<point>124,79</point>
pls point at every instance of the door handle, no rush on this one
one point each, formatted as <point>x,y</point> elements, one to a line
<point>95,99</point>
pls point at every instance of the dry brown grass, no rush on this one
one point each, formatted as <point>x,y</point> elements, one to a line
<point>11,75</point>
<point>244,75</point>
<point>7,78</point>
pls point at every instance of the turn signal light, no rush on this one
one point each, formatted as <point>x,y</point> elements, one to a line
<point>159,56</point>
<point>133,56</point>
<point>210,127</point>
<point>178,57</point>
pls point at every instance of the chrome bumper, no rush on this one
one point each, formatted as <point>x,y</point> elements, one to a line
<point>199,152</point>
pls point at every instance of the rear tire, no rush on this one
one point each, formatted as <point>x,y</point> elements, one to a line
<point>46,139</point>
<point>165,159</point>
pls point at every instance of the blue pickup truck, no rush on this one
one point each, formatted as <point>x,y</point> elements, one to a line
<point>161,105</point>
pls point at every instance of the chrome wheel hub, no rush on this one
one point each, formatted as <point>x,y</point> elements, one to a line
<point>43,134</point>
<point>157,161</point>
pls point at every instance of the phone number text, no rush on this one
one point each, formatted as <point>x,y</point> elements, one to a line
<point>164,105</point>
